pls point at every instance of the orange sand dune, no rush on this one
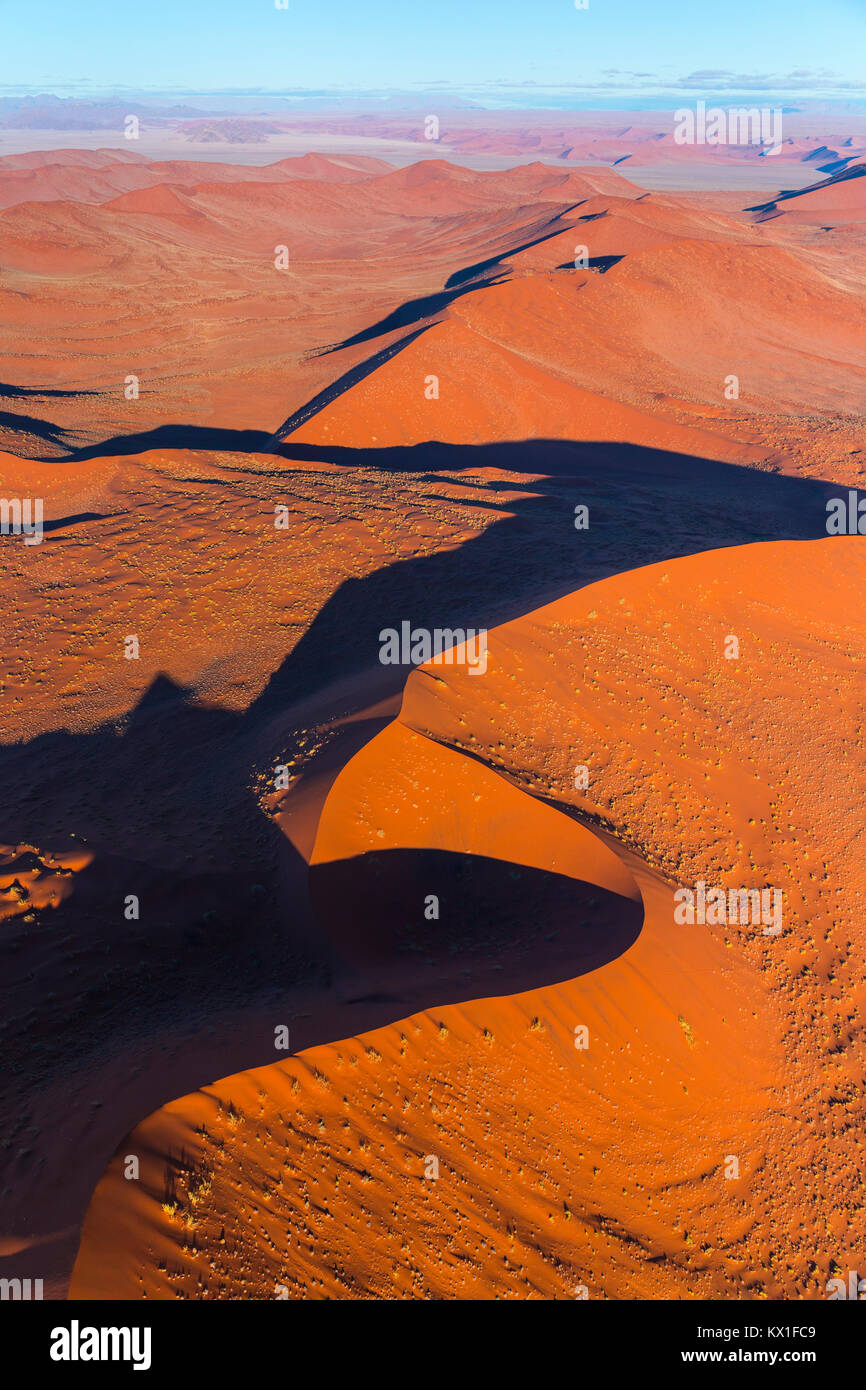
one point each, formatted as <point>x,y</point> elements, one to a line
<point>699,1144</point>
<point>613,225</point>
<point>842,196</point>
<point>622,355</point>
<point>214,332</point>
<point>70,182</point>
<point>160,769</point>
<point>490,392</point>
<point>442,177</point>
<point>217,336</point>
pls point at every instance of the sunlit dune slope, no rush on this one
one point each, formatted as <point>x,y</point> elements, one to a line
<point>181,549</point>
<point>642,352</point>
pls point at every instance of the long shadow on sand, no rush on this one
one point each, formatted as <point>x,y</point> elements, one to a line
<point>645,506</point>
<point>103,1018</point>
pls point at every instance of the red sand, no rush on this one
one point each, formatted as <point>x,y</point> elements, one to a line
<point>560,1168</point>
<point>557,386</point>
<point>217,337</point>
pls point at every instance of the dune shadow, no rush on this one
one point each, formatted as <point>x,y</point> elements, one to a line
<point>554,227</point>
<point>601,264</point>
<point>33,425</point>
<point>436,927</point>
<point>460,282</point>
<point>645,506</point>
<point>413,312</point>
<point>167,797</point>
<point>25,392</point>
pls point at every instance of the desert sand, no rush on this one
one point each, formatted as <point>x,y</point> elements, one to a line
<point>559,1169</point>
<point>432,388</point>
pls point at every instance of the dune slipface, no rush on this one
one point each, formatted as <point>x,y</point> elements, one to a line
<point>675,1120</point>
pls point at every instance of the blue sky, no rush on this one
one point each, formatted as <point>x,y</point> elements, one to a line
<point>637,45</point>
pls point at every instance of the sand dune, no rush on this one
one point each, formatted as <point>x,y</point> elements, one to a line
<point>627,354</point>
<point>188,265</point>
<point>83,159</point>
<point>841,195</point>
<point>490,392</point>
<point>608,1167</point>
<point>161,770</point>
<point>814,134</point>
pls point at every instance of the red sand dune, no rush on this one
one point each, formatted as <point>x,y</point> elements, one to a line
<point>629,354</point>
<point>841,196</point>
<point>188,267</point>
<point>196,294</point>
<point>607,1167</point>
<point>821,134</point>
<point>98,180</point>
